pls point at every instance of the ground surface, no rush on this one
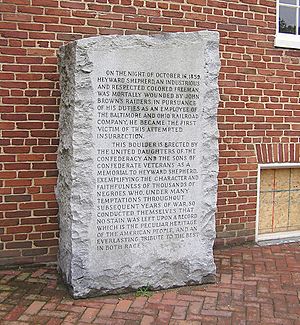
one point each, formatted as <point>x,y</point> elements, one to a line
<point>256,285</point>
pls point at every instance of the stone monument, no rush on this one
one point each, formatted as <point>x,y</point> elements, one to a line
<point>138,161</point>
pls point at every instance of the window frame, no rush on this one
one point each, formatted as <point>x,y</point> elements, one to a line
<point>276,235</point>
<point>283,39</point>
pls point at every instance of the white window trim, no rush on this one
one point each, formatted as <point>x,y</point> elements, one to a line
<point>285,40</point>
<point>275,235</point>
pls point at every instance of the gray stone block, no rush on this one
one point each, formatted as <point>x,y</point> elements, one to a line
<point>138,161</point>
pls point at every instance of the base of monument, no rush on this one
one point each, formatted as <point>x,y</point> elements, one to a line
<point>97,292</point>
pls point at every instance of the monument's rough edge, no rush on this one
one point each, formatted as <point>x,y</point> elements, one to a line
<point>64,160</point>
<point>211,149</point>
<point>111,42</point>
<point>74,189</point>
<point>80,283</point>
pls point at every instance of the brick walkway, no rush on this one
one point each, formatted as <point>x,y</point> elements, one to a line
<point>256,285</point>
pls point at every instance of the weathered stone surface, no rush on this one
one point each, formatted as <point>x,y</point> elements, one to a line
<point>138,161</point>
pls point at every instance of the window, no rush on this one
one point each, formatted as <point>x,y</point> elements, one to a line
<point>278,203</point>
<point>288,24</point>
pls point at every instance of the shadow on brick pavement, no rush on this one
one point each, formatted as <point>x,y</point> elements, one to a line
<point>256,285</point>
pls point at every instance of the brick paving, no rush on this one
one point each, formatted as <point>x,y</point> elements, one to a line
<point>256,285</point>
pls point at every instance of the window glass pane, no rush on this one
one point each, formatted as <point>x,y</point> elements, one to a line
<point>299,22</point>
<point>289,2</point>
<point>287,20</point>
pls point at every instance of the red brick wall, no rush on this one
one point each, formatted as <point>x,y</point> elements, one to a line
<point>259,104</point>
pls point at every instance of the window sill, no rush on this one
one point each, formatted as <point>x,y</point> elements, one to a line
<point>287,41</point>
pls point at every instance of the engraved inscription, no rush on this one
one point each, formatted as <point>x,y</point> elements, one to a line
<point>144,186</point>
